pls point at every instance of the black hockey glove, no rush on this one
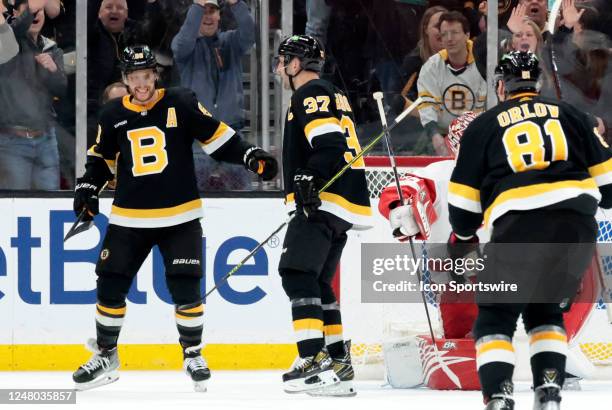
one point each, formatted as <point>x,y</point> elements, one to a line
<point>458,248</point>
<point>306,192</point>
<point>86,195</point>
<point>261,162</point>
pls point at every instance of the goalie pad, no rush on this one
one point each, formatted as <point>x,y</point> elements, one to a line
<point>454,368</point>
<point>420,196</point>
<point>403,363</point>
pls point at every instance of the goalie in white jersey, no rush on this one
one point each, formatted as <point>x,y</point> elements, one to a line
<point>426,218</point>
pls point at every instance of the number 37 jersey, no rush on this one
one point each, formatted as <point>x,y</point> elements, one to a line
<point>528,153</point>
<point>320,136</point>
<point>149,148</point>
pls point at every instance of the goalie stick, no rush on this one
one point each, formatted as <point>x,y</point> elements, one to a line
<point>333,179</point>
<point>378,96</point>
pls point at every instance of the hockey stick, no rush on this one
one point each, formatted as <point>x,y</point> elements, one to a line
<point>550,24</point>
<point>378,96</point>
<point>76,228</point>
<point>333,179</point>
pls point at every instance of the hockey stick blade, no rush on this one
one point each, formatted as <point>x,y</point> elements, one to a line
<point>78,227</point>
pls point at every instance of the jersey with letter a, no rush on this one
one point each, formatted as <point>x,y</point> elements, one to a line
<point>149,148</point>
<point>527,153</point>
<point>320,136</point>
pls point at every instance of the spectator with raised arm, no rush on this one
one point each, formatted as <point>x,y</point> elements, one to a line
<point>209,63</point>
<point>29,156</point>
<point>8,44</point>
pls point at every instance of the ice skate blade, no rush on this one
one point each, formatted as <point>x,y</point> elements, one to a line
<point>342,389</point>
<point>314,382</point>
<point>106,378</point>
<point>201,386</point>
<point>550,405</point>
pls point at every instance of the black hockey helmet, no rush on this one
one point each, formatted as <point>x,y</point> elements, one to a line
<point>138,57</point>
<point>519,70</point>
<point>306,48</point>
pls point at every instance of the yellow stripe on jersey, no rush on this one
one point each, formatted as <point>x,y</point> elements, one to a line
<point>427,95</point>
<point>538,196</point>
<point>159,212</point>
<point>464,197</point>
<point>602,172</point>
<point>340,201</point>
<point>110,163</point>
<point>220,137</point>
<point>308,324</point>
<point>321,126</point>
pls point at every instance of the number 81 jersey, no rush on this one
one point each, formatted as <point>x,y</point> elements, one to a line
<point>528,153</point>
<point>149,148</point>
<point>320,135</point>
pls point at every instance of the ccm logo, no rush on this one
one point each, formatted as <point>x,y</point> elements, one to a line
<point>186,262</point>
<point>302,178</point>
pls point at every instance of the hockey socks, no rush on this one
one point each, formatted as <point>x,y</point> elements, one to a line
<point>495,361</point>
<point>190,324</point>
<point>333,330</point>
<point>548,351</point>
<point>109,320</point>
<point>308,325</point>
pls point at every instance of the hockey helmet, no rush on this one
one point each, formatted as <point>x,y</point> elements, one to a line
<point>137,57</point>
<point>306,48</point>
<point>455,131</point>
<point>519,70</point>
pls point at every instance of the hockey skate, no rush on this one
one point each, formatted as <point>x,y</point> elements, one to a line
<point>547,395</point>
<point>502,400</point>
<point>101,369</point>
<point>310,373</point>
<point>196,367</point>
<point>344,370</point>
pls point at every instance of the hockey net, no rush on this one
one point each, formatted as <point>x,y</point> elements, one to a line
<point>397,321</point>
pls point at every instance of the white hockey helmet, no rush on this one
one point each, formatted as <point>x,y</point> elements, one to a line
<point>455,131</point>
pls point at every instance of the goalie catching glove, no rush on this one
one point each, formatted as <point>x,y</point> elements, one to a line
<point>261,162</point>
<point>306,192</point>
<point>86,194</point>
<point>413,219</point>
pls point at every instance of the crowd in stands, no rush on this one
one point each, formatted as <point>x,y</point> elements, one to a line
<point>435,49</point>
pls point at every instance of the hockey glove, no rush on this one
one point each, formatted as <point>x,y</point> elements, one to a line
<point>403,223</point>
<point>306,192</point>
<point>261,162</point>
<point>460,249</point>
<point>86,195</point>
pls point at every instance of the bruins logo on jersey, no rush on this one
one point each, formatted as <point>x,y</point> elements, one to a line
<point>458,99</point>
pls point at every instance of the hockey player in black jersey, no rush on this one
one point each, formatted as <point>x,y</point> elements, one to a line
<point>319,138</point>
<point>145,139</point>
<point>535,170</point>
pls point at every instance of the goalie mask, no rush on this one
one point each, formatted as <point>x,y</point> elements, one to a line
<point>455,131</point>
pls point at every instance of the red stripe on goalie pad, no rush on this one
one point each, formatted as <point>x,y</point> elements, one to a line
<point>454,368</point>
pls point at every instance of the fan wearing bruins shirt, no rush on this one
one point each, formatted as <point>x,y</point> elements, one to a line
<point>319,139</point>
<point>146,140</point>
<point>535,170</point>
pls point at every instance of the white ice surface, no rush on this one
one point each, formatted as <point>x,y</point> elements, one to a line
<point>263,390</point>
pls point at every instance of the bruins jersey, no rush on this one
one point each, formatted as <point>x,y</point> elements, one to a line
<point>149,149</point>
<point>447,93</point>
<point>320,135</point>
<point>528,153</point>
